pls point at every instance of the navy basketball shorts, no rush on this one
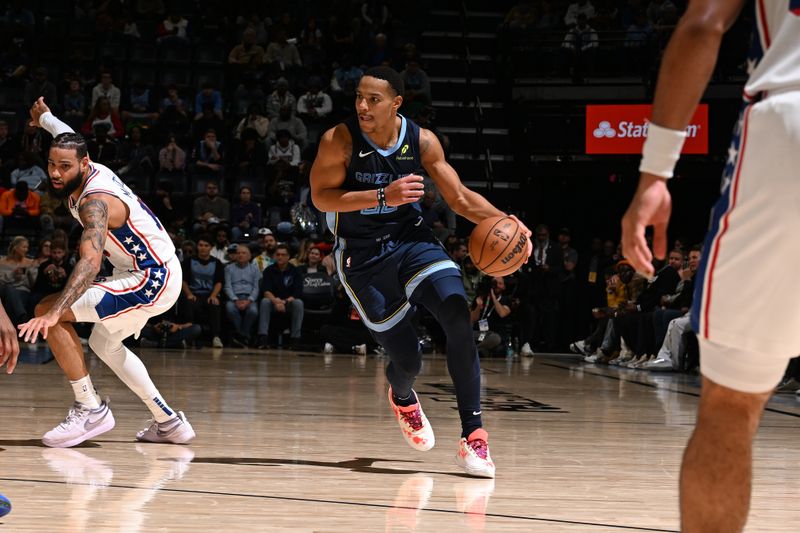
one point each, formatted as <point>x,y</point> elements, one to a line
<point>380,278</point>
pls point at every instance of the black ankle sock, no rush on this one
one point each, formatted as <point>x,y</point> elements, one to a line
<point>405,402</point>
<point>469,422</point>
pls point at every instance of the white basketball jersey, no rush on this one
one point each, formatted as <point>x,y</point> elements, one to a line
<point>141,242</point>
<point>774,60</point>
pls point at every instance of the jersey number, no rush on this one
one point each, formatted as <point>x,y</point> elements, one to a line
<point>378,210</point>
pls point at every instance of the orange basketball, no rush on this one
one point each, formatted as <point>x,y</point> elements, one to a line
<point>498,247</point>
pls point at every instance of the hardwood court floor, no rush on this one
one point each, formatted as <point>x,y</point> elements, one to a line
<point>302,442</point>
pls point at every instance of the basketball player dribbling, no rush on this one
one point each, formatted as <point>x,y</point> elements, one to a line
<point>146,282</point>
<point>746,320</point>
<point>365,178</point>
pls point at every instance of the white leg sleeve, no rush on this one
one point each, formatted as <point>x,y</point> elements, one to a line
<point>130,369</point>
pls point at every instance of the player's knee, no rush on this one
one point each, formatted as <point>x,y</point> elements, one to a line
<point>409,365</point>
<point>97,342</point>
<point>454,315</point>
<point>721,402</point>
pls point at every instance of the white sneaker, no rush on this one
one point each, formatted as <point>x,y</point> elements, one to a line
<point>175,431</point>
<point>216,342</point>
<point>624,350</point>
<point>579,347</point>
<point>328,348</point>
<point>591,358</point>
<point>360,349</point>
<point>624,361</point>
<point>414,424</point>
<point>81,424</point>
<point>473,454</point>
<point>634,363</point>
<point>659,365</point>
<point>526,351</point>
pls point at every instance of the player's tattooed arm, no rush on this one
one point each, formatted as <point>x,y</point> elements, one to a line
<point>94,216</point>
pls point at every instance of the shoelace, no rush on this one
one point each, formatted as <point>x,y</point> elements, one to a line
<point>73,415</point>
<point>480,447</point>
<point>413,418</point>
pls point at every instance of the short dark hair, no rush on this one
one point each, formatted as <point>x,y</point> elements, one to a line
<point>390,76</point>
<point>285,247</point>
<point>206,238</point>
<point>71,141</point>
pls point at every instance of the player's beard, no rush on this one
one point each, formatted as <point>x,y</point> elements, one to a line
<point>69,186</point>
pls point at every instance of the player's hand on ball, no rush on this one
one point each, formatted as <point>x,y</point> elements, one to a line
<point>29,331</point>
<point>9,346</point>
<point>38,109</point>
<point>528,233</point>
<point>406,190</point>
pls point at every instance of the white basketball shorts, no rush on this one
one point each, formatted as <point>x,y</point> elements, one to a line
<point>746,295</point>
<point>124,302</point>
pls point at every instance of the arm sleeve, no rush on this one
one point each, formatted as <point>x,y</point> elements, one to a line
<point>256,283</point>
<point>327,105</point>
<point>52,125</point>
<point>228,286</point>
<point>301,105</point>
<point>219,272</point>
<point>6,205</point>
<point>266,282</point>
<point>33,204</point>
<point>297,289</point>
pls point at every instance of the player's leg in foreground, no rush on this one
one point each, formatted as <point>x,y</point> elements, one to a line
<point>716,474</point>
<point>449,307</point>
<point>405,361</point>
<point>89,416</point>
<point>82,421</point>
<point>445,299</point>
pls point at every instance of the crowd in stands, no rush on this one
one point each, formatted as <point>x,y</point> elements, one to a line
<point>181,98</point>
<point>224,162</point>
<point>582,38</point>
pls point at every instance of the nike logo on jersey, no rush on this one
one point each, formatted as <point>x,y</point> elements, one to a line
<point>418,222</point>
<point>476,413</point>
<point>362,154</point>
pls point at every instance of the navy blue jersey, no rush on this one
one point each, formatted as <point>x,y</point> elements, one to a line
<point>371,168</point>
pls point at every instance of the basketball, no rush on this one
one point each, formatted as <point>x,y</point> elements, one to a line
<point>5,506</point>
<point>498,247</point>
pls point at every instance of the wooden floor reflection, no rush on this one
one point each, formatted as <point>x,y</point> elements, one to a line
<point>305,442</point>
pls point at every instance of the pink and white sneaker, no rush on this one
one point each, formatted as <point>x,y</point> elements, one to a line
<point>473,454</point>
<point>414,425</point>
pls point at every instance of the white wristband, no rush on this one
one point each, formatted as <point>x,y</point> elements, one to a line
<point>661,150</point>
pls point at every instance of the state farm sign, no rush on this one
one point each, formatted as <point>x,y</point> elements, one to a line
<point>622,129</point>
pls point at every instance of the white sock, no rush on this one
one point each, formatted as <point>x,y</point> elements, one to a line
<point>85,393</point>
<point>130,370</point>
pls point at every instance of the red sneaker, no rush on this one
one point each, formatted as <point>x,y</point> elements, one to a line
<point>415,426</point>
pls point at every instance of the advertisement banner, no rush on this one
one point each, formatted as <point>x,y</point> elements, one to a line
<point>622,129</point>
